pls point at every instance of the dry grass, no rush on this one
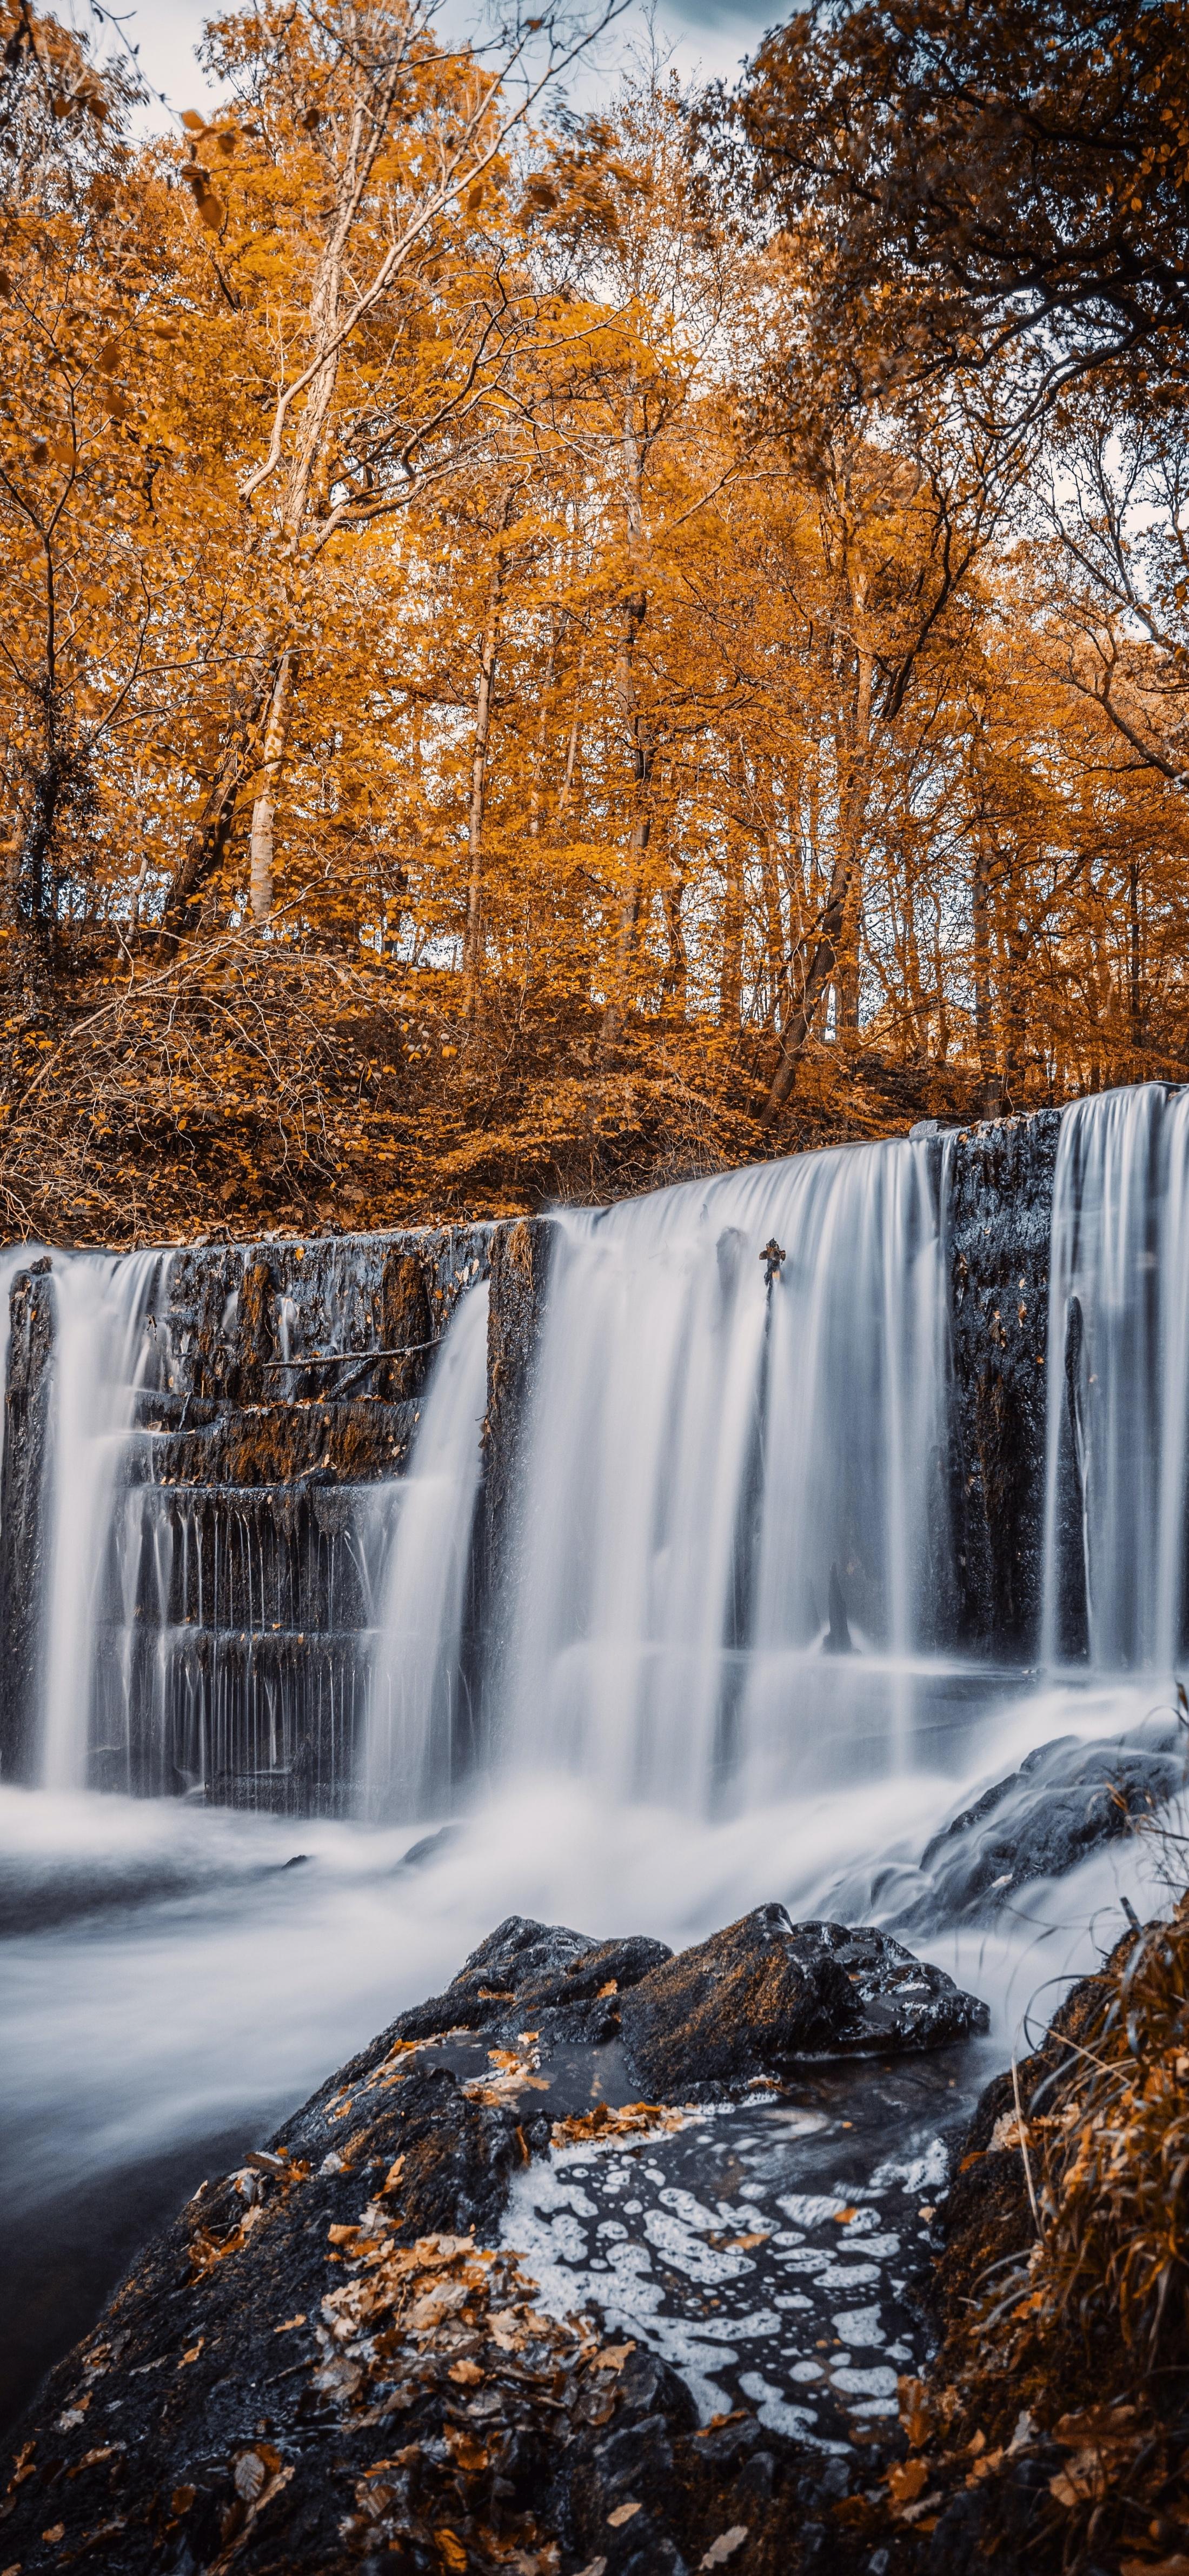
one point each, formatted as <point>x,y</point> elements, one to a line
<point>1063,2371</point>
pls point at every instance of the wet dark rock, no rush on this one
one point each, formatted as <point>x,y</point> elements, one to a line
<point>429,1847</point>
<point>1066,1799</point>
<point>520,1259</point>
<point>26,1505</point>
<point>406,1325</point>
<point>999,1202</point>
<point>327,2363</point>
<point>761,1998</point>
<point>562,1984</point>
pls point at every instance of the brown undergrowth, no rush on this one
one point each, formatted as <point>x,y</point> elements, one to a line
<point>241,1086</point>
<point>1053,2429</point>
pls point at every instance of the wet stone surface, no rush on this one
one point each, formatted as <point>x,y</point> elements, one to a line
<point>476,2305</point>
<point>766,2249</point>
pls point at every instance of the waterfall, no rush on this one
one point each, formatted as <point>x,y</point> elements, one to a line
<point>420,1720</point>
<point>102,1349</point>
<point>732,1532</point>
<point>1118,1392</point>
<point>724,1555</point>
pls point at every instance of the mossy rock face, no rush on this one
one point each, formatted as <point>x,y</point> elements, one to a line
<point>767,1995</point>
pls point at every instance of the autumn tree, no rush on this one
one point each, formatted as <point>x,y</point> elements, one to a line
<point>986,176</point>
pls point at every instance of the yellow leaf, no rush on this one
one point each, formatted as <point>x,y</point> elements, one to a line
<point>906,2480</point>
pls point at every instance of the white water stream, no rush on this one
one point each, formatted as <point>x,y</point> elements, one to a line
<point>711,1463</point>
<point>1118,1390</point>
<point>100,1351</point>
<point>418,1691</point>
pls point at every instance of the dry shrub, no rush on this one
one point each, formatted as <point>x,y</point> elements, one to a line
<point>1114,2145</point>
<point>242,1085</point>
<point>1063,2371</point>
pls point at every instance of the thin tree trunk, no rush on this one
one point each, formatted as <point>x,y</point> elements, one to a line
<point>819,952</point>
<point>567,783</point>
<point>983,1031</point>
<point>276,744</point>
<point>641,745</point>
<point>730,972</point>
<point>912,966</point>
<point>535,792</point>
<point>774,938</point>
<point>207,846</point>
<point>846,982</point>
<point>488,648</point>
<point>1133,958</point>
<point>942,1003</point>
<point>676,976</point>
<point>642,749</point>
<point>1015,939</point>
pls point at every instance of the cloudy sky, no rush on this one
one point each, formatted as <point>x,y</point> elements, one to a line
<point>707,40</point>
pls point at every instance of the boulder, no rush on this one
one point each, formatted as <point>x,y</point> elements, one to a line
<point>331,2361</point>
<point>564,1986</point>
<point>1066,1799</point>
<point>766,1995</point>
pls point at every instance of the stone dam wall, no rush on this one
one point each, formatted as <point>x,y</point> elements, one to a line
<point>279,1398</point>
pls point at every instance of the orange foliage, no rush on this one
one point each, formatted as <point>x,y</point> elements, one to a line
<point>462,742</point>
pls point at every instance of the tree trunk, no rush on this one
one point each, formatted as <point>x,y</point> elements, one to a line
<point>473,935</point>
<point>730,972</point>
<point>675,985</point>
<point>276,743</point>
<point>642,749</point>
<point>1135,1013</point>
<point>566,788</point>
<point>536,792</point>
<point>819,952</point>
<point>774,938</point>
<point>206,848</point>
<point>983,1030</point>
<point>846,982</point>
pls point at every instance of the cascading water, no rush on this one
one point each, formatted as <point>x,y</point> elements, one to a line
<point>727,1487</point>
<point>102,1350</point>
<point>420,1720</point>
<point>705,1658</point>
<point>1118,1396</point>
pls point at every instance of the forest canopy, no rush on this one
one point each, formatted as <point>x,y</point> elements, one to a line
<point>545,651</point>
